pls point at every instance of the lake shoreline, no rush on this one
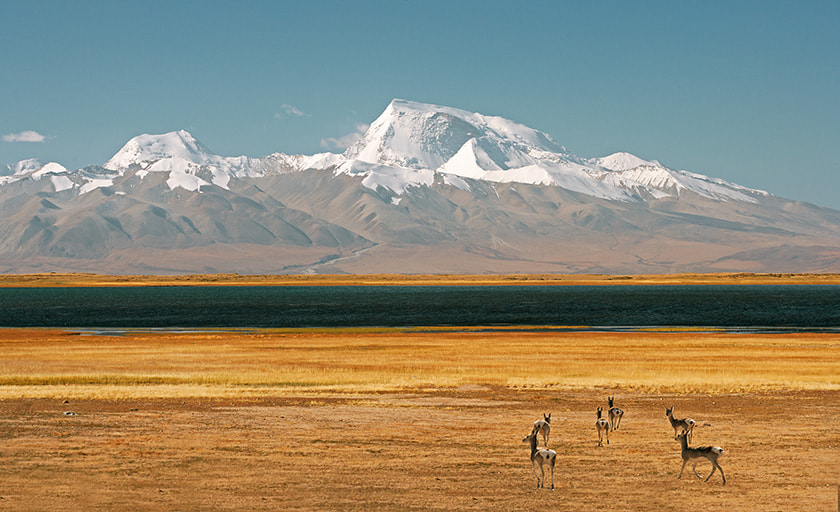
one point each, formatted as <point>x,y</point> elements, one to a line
<point>103,280</point>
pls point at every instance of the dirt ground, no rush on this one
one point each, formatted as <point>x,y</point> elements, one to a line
<point>456,449</point>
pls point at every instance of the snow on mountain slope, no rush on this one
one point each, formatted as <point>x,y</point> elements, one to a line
<point>623,162</point>
<point>632,173</point>
<point>421,136</point>
<point>61,183</point>
<point>471,161</point>
<point>449,141</point>
<point>145,148</point>
<point>184,174</point>
<point>24,166</point>
<point>182,154</point>
<point>406,147</point>
<point>57,174</point>
<point>396,179</point>
<point>34,170</point>
<point>49,168</point>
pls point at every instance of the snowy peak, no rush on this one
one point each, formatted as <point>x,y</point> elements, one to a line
<point>25,166</point>
<point>413,135</point>
<point>185,158</point>
<point>144,148</point>
<point>416,135</point>
<point>34,169</point>
<point>649,177</point>
<point>623,162</point>
<point>409,145</point>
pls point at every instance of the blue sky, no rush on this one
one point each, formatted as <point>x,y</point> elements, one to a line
<point>746,90</point>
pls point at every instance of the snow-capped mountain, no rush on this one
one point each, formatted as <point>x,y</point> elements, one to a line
<point>411,136</point>
<point>443,188</point>
<point>411,139</point>
<point>148,148</point>
<point>24,166</point>
<point>408,146</point>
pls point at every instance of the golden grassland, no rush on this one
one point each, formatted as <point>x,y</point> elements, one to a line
<point>411,419</point>
<point>79,279</point>
<point>144,364</point>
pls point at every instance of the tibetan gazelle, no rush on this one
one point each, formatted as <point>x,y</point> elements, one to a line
<point>539,457</point>
<point>615,414</point>
<point>685,425</point>
<point>543,427</point>
<point>603,428</point>
<point>695,455</point>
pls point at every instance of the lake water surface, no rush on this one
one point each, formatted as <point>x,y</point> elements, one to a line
<point>771,307</point>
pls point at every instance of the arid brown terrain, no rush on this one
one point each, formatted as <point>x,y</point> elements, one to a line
<point>405,420</point>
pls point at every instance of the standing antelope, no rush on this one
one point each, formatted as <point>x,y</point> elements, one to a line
<point>543,427</point>
<point>603,427</point>
<point>684,425</point>
<point>615,414</point>
<point>695,455</point>
<point>540,457</point>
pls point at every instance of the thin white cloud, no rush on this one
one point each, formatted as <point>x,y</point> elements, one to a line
<point>24,136</point>
<point>346,140</point>
<point>287,110</point>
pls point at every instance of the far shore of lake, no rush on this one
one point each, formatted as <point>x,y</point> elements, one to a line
<point>85,279</point>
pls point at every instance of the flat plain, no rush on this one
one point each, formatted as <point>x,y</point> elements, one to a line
<point>418,419</point>
<point>90,279</point>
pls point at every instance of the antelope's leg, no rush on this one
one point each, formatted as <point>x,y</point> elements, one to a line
<point>694,467</point>
<point>552,475</point>
<point>534,467</point>
<point>542,475</point>
<point>714,467</point>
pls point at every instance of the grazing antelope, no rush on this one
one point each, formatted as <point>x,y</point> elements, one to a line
<point>695,455</point>
<point>543,427</point>
<point>615,414</point>
<point>540,457</point>
<point>684,425</point>
<point>603,427</point>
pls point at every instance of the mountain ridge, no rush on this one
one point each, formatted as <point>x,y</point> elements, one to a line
<point>427,188</point>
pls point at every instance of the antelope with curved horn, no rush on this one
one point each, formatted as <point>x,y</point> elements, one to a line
<point>685,425</point>
<point>543,427</point>
<point>615,414</point>
<point>540,457</point>
<point>603,428</point>
<point>695,455</point>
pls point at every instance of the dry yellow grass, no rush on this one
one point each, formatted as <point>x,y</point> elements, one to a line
<point>392,420</point>
<point>48,363</point>
<point>62,280</point>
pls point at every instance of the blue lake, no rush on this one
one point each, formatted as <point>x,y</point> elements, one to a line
<point>774,307</point>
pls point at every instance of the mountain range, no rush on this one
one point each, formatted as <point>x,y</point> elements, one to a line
<point>427,189</point>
